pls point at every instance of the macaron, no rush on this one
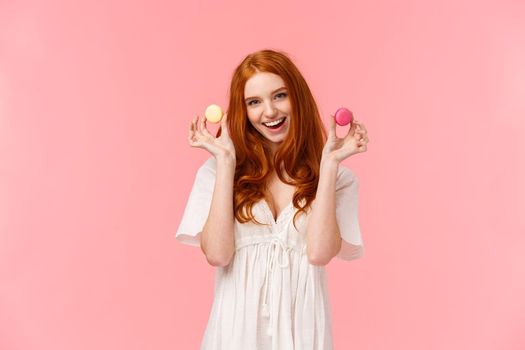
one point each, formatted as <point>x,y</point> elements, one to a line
<point>213,113</point>
<point>343,116</point>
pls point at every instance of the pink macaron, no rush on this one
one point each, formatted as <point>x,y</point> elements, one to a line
<point>343,116</point>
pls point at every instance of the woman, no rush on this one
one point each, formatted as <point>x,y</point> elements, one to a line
<point>270,208</point>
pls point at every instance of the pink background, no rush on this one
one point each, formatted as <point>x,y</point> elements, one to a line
<point>95,99</point>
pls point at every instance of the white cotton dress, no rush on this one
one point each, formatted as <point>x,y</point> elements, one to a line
<point>270,297</point>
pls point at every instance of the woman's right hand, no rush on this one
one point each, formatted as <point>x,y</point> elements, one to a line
<point>219,147</point>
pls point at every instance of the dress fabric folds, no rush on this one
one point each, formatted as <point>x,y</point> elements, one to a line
<point>270,297</point>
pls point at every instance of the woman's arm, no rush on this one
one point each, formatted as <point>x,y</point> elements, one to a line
<point>323,236</point>
<point>217,238</point>
<point>322,233</point>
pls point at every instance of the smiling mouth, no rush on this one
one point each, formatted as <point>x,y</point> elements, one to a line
<point>275,124</point>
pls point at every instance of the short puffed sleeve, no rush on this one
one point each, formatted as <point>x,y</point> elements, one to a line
<point>347,186</point>
<point>198,205</point>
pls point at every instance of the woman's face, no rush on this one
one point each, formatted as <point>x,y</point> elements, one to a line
<point>268,105</point>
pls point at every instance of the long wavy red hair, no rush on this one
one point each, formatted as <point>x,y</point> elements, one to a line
<point>299,154</point>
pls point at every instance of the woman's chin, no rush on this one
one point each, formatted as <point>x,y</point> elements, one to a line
<point>277,136</point>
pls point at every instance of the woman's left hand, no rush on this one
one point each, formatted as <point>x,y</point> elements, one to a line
<point>354,142</point>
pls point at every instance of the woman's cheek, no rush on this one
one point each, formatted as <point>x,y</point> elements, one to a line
<point>253,115</point>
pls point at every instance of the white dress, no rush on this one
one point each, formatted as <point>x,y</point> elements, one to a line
<point>270,296</point>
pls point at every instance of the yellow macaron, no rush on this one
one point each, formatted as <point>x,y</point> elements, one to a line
<point>213,113</point>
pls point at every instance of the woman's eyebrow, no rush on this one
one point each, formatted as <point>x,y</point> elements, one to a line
<point>273,92</point>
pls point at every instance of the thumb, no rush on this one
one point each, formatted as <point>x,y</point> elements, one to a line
<point>352,129</point>
<point>224,124</point>
<point>331,131</point>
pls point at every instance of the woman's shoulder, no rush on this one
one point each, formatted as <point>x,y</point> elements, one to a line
<point>345,176</point>
<point>206,171</point>
<point>209,165</point>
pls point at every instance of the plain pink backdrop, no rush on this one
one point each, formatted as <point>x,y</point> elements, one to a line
<point>95,168</point>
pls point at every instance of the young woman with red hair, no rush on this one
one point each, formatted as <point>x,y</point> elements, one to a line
<point>270,208</point>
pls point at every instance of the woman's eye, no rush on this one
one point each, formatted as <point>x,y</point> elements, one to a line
<point>281,94</point>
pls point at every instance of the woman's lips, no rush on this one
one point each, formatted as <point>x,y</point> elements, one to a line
<point>278,128</point>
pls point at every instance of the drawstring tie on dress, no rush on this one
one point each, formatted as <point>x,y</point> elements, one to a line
<point>277,250</point>
<point>278,253</point>
<point>277,247</point>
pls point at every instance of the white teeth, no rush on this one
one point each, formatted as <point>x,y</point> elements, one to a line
<point>274,123</point>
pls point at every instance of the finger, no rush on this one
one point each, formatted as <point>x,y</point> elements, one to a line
<point>204,145</point>
<point>194,127</point>
<point>198,123</point>
<point>204,129</point>
<point>190,131</point>
<point>224,125</point>
<point>201,124</point>
<point>361,125</point>
<point>351,131</point>
<point>197,144</point>
<point>362,145</point>
<point>192,124</point>
<point>193,142</point>
<point>198,130</point>
<point>192,137</point>
<point>190,127</point>
<point>360,134</point>
<point>364,139</point>
<point>332,130</point>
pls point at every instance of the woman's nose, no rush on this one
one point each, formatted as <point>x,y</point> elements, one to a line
<point>269,109</point>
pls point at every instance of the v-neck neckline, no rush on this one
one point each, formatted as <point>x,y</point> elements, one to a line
<point>279,215</point>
